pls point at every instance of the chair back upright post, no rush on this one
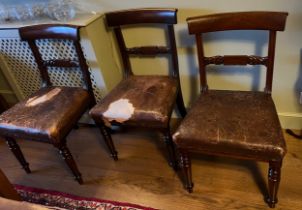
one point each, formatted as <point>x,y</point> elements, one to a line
<point>58,32</point>
<point>144,16</point>
<point>269,21</point>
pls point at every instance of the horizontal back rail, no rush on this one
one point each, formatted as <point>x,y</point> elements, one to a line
<point>61,63</point>
<point>272,21</point>
<point>236,60</point>
<point>148,50</point>
<point>139,16</point>
<point>49,31</point>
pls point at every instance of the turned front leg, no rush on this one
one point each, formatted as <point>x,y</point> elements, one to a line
<point>185,164</point>
<point>274,172</point>
<point>105,131</point>
<point>170,149</point>
<point>14,147</point>
<point>66,155</point>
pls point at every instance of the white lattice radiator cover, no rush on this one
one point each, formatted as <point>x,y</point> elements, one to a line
<point>21,64</point>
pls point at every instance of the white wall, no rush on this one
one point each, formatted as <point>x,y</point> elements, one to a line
<point>288,68</point>
<point>288,65</point>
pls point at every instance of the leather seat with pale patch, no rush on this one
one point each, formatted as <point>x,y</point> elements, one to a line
<point>152,98</point>
<point>47,115</point>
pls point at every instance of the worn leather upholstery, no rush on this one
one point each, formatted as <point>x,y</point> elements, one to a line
<point>235,123</point>
<point>48,114</point>
<point>152,97</point>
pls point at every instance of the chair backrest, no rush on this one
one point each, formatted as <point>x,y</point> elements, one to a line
<point>58,32</point>
<point>166,17</point>
<point>269,21</point>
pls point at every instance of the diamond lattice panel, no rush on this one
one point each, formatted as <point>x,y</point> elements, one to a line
<point>21,63</point>
<point>64,50</point>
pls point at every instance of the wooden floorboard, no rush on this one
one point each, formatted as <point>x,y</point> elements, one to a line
<point>142,176</point>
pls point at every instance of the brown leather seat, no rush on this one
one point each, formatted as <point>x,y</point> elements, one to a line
<point>142,101</point>
<point>239,123</point>
<point>151,96</point>
<point>51,112</point>
<point>46,115</point>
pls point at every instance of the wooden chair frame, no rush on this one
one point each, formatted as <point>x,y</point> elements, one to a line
<point>62,32</point>
<point>269,21</point>
<point>154,16</point>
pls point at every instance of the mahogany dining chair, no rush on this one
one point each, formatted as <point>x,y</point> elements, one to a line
<point>49,114</point>
<point>142,101</point>
<point>237,124</point>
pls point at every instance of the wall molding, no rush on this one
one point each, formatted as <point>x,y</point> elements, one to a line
<point>290,120</point>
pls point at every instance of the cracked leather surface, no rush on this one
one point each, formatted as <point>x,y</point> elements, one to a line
<point>236,123</point>
<point>51,119</point>
<point>152,97</point>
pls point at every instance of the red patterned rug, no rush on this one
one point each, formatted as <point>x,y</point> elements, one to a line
<point>61,200</point>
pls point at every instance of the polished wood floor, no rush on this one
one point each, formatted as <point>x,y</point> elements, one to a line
<point>142,176</point>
